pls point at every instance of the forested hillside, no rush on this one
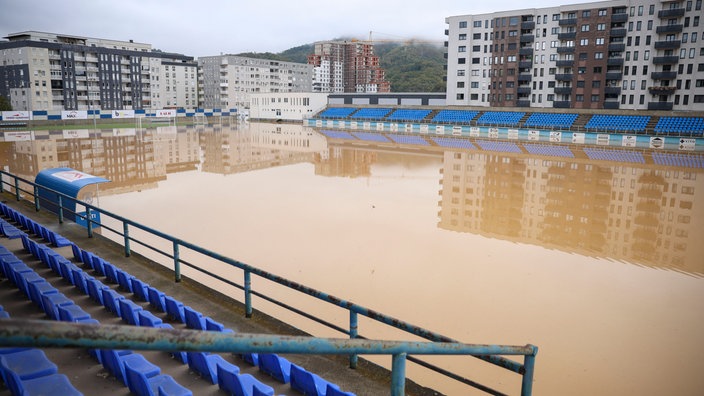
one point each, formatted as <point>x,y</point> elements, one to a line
<point>410,67</point>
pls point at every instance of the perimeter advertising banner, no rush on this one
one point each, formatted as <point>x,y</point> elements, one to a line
<point>16,115</point>
<point>123,114</point>
<point>74,115</point>
<point>166,113</point>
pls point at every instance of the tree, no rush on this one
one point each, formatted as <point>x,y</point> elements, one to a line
<point>5,104</point>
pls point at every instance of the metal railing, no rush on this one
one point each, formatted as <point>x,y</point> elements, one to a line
<point>492,354</point>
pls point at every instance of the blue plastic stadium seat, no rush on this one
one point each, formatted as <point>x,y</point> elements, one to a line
<point>110,272</point>
<point>276,366</point>
<point>156,298</point>
<point>241,384</point>
<point>206,365</point>
<point>27,364</point>
<point>309,383</point>
<point>333,391</point>
<point>39,289</point>
<point>139,289</point>
<point>111,300</point>
<point>52,302</point>
<point>54,384</point>
<point>114,361</point>
<point>141,383</point>
<point>213,325</point>
<point>194,319</point>
<point>95,290</point>
<point>124,280</point>
<point>174,309</point>
<point>72,313</point>
<point>129,311</point>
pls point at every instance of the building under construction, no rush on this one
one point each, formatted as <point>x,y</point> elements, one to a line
<point>347,66</point>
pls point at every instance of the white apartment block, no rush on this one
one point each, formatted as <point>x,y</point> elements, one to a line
<point>623,54</point>
<point>48,71</point>
<point>288,106</point>
<point>228,81</point>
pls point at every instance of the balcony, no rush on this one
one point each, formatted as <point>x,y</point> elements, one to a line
<point>614,62</point>
<point>561,104</point>
<point>665,60</point>
<point>664,75</point>
<point>528,25</point>
<point>659,105</point>
<point>612,90</point>
<point>612,104</point>
<point>618,32</point>
<point>668,29</point>
<point>525,64</point>
<point>527,38</point>
<point>563,90</point>
<point>617,47</point>
<point>527,51</point>
<point>662,90</point>
<point>565,50</point>
<point>563,77</point>
<point>614,75</point>
<point>672,12</point>
<point>525,77</point>
<point>565,63</point>
<point>568,22</point>
<point>523,90</point>
<point>669,44</point>
<point>523,103</point>
<point>567,36</point>
<point>619,18</point>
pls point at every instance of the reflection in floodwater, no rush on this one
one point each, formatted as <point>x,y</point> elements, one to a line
<point>514,241</point>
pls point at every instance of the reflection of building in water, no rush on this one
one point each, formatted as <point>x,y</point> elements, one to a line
<point>631,212</point>
<point>338,161</point>
<point>127,160</point>
<point>260,146</point>
<point>175,149</point>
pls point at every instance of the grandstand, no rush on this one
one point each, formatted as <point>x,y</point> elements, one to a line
<point>686,126</point>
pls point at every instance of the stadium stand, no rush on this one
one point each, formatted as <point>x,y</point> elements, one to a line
<point>371,113</point>
<point>337,112</point>
<point>625,123</point>
<point>550,120</point>
<point>408,115</point>
<point>691,126</point>
<point>455,116</point>
<point>505,118</point>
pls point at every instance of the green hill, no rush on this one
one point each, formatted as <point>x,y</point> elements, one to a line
<point>410,67</point>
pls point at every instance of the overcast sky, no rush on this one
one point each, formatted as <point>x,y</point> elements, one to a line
<point>210,27</point>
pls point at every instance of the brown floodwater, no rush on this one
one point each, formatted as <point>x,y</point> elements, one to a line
<point>598,263</point>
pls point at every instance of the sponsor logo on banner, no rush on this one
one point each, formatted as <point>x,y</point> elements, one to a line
<point>494,133</point>
<point>393,127</point>
<point>16,115</point>
<point>513,133</point>
<point>578,137</point>
<point>318,123</point>
<point>457,130</point>
<point>439,129</point>
<point>75,134</point>
<point>602,139</point>
<point>533,135</point>
<point>409,127</point>
<point>353,124</point>
<point>628,141</point>
<point>341,124</point>
<point>71,176</point>
<point>123,114</point>
<point>687,144</point>
<point>556,137</point>
<point>330,123</point>
<point>18,136</point>
<point>74,115</point>
<point>474,131</point>
<point>379,126</point>
<point>424,128</point>
<point>166,113</point>
<point>657,142</point>
<point>367,125</point>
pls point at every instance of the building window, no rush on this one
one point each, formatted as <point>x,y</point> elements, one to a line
<point>579,98</point>
<point>598,55</point>
<point>586,13</point>
<point>460,96</point>
<point>461,61</point>
<point>602,12</point>
<point>477,24</point>
<point>600,26</point>
<point>584,42</point>
<point>462,48</point>
<point>463,24</point>
<point>585,28</point>
<point>462,36</point>
<point>460,72</point>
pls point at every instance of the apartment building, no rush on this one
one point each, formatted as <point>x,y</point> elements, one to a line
<point>49,71</point>
<point>227,81</point>
<point>347,66</point>
<point>634,55</point>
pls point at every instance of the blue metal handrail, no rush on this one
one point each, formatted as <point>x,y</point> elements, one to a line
<point>526,369</point>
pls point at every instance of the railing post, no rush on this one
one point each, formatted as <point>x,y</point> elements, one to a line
<point>2,182</point>
<point>17,188</point>
<point>61,210</point>
<point>89,223</point>
<point>126,234</point>
<point>529,367</point>
<point>398,374</point>
<point>353,334</point>
<point>177,263</point>
<point>248,293</point>
<point>36,198</point>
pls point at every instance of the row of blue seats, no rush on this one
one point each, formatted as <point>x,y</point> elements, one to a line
<point>694,125</point>
<point>459,116</point>
<point>546,149</point>
<point>408,115</point>
<point>371,113</point>
<point>337,112</point>
<point>454,143</point>
<point>203,363</point>
<point>408,139</point>
<point>145,378</point>
<point>505,147</point>
<point>28,371</point>
<point>550,120</point>
<point>510,118</point>
<point>618,122</point>
<point>32,226</point>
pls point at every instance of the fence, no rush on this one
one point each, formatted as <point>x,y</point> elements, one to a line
<point>441,345</point>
